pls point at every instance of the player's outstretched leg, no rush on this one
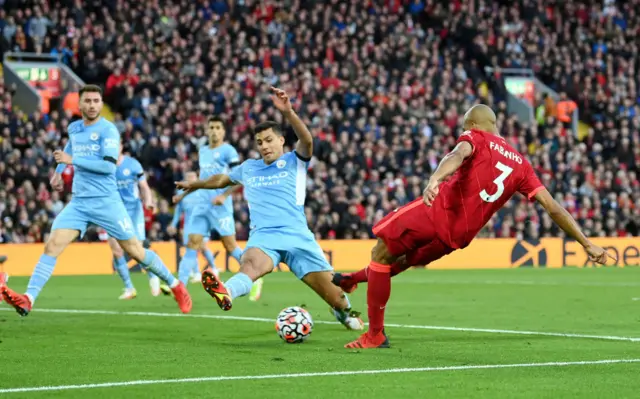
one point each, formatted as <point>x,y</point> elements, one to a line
<point>57,242</point>
<point>152,262</point>
<point>378,292</point>
<point>349,281</point>
<point>122,268</point>
<point>154,281</point>
<point>320,282</point>
<point>254,264</point>
<point>235,251</point>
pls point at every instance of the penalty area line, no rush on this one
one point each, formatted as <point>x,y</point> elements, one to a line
<point>389,325</point>
<point>308,375</point>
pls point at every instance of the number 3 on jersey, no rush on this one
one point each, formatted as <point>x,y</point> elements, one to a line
<point>499,182</point>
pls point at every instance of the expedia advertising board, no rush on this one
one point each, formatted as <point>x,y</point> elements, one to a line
<point>83,258</point>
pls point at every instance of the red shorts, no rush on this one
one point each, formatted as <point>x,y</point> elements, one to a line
<point>410,231</point>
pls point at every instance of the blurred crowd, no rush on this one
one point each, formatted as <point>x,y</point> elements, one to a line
<point>382,85</point>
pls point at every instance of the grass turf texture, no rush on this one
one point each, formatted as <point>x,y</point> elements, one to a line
<point>52,349</point>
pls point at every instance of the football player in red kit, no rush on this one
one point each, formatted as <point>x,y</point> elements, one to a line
<point>485,173</point>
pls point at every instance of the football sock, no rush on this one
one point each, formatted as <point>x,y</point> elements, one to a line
<point>378,292</point>
<point>236,254</point>
<point>40,276</point>
<point>210,260</point>
<point>153,263</point>
<point>187,263</point>
<point>123,271</point>
<point>361,276</point>
<point>239,285</point>
<point>342,314</point>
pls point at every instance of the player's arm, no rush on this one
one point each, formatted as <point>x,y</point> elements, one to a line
<point>177,212</point>
<point>110,150</point>
<point>212,183</point>
<point>568,224</point>
<point>304,147</point>
<point>67,150</point>
<point>220,199</point>
<point>145,193</point>
<point>448,166</point>
<point>56,180</point>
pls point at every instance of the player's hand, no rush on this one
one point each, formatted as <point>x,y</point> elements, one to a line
<point>171,230</point>
<point>150,206</point>
<point>219,200</point>
<point>281,100</point>
<point>184,185</point>
<point>56,182</point>
<point>599,255</point>
<point>62,157</point>
<point>429,194</point>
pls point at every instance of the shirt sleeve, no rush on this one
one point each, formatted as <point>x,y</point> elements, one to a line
<point>233,159</point>
<point>236,173</point>
<point>471,138</point>
<point>530,184</point>
<point>138,171</point>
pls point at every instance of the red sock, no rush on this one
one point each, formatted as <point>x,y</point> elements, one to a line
<point>360,276</point>
<point>378,292</point>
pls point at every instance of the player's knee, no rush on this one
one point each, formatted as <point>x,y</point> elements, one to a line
<point>117,252</point>
<point>380,253</point>
<point>253,268</point>
<point>53,247</point>
<point>195,241</point>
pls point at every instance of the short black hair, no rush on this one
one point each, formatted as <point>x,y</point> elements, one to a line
<point>90,89</point>
<point>275,126</point>
<point>215,118</point>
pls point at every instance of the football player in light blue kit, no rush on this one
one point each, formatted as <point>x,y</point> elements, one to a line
<point>275,188</point>
<point>215,212</point>
<point>186,207</point>
<point>135,193</point>
<point>93,149</point>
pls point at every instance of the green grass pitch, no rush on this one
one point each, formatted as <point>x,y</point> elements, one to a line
<point>453,334</point>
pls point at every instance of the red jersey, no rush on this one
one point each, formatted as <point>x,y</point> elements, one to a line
<point>487,179</point>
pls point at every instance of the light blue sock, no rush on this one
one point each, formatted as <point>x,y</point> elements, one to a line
<point>186,264</point>
<point>239,285</point>
<point>341,315</point>
<point>210,259</point>
<point>123,271</point>
<point>236,254</point>
<point>40,276</point>
<point>151,274</point>
<point>153,263</point>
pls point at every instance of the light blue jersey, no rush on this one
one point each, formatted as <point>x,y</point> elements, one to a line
<point>275,192</point>
<point>128,174</point>
<point>186,207</point>
<point>95,150</point>
<point>207,217</point>
<point>276,195</point>
<point>215,161</point>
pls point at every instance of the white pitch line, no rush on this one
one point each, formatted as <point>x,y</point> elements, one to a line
<point>307,375</point>
<point>391,325</point>
<point>517,282</point>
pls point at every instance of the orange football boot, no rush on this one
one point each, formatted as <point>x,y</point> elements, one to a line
<point>183,298</point>
<point>20,302</point>
<point>367,341</point>
<point>214,287</point>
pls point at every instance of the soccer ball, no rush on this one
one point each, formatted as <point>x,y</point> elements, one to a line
<point>294,325</point>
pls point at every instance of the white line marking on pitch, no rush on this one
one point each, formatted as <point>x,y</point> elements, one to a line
<point>391,325</point>
<point>306,375</point>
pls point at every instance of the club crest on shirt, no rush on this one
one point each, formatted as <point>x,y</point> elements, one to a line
<point>126,172</point>
<point>216,155</point>
<point>281,164</point>
<point>94,136</point>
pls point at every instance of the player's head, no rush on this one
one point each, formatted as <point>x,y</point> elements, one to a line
<point>270,140</point>
<point>190,176</point>
<point>215,130</point>
<point>480,117</point>
<point>90,102</point>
